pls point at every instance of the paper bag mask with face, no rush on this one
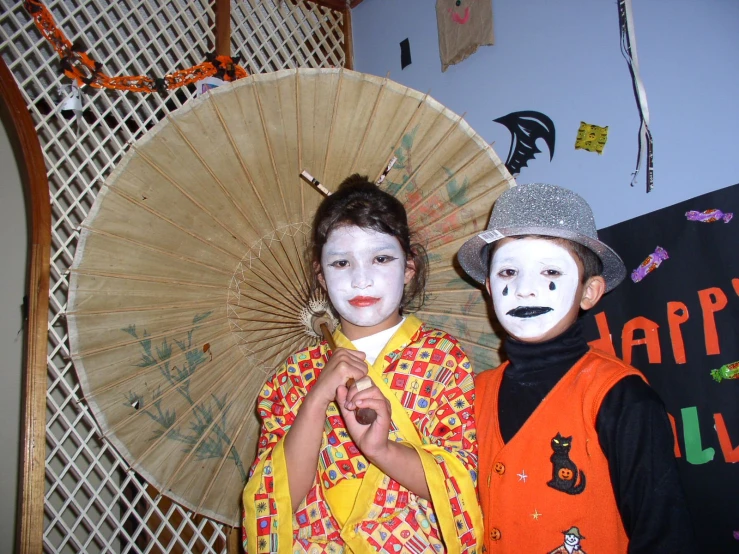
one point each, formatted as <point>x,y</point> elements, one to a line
<point>464,25</point>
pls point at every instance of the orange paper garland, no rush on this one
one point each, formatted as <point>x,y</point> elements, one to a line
<point>85,70</point>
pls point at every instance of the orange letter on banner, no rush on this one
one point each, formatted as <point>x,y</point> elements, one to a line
<point>676,336</point>
<point>651,339</point>
<point>731,455</point>
<point>678,454</point>
<point>605,342</point>
<point>735,282</point>
<point>712,301</point>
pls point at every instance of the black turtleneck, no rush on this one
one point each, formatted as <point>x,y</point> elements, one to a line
<point>634,433</point>
<point>533,371</point>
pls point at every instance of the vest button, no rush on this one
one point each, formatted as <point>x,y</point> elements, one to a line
<point>499,468</point>
<point>495,534</point>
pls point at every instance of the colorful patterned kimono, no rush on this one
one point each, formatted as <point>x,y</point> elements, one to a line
<point>353,506</point>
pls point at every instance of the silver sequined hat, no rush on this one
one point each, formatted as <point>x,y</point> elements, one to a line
<point>540,209</point>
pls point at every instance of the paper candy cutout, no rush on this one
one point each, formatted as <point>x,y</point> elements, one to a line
<point>591,138</point>
<point>204,85</point>
<point>727,371</point>
<point>405,53</point>
<point>650,264</point>
<point>709,216</point>
<point>525,128</point>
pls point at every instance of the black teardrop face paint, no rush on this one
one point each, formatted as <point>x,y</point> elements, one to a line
<point>505,291</point>
<point>552,286</point>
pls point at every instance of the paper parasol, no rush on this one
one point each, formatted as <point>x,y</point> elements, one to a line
<point>190,279</point>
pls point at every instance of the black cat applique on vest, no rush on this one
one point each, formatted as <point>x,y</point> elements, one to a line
<point>564,471</point>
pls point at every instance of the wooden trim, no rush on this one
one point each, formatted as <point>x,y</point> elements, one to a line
<point>346,30</point>
<point>22,134</point>
<point>223,27</point>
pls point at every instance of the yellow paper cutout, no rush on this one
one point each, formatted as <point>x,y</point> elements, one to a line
<point>591,138</point>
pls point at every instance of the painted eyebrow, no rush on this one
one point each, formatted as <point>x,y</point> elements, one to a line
<point>370,249</point>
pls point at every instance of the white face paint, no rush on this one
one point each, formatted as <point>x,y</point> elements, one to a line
<point>571,540</point>
<point>533,283</point>
<point>364,272</point>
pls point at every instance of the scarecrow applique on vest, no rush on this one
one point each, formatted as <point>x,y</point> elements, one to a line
<point>564,471</point>
<point>571,542</point>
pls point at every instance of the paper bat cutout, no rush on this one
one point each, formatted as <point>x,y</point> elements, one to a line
<point>525,128</point>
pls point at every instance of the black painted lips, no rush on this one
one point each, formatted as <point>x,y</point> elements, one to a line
<point>528,311</point>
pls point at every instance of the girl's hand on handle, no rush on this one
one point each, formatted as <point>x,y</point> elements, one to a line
<point>392,458</point>
<point>372,440</point>
<point>343,365</point>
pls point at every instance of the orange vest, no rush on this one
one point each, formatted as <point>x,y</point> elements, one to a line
<point>550,483</point>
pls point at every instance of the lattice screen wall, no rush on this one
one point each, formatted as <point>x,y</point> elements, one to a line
<point>93,502</point>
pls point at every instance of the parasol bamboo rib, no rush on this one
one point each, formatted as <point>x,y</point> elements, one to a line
<point>268,348</point>
<point>161,251</point>
<point>368,127</point>
<point>279,189</point>
<point>144,278</point>
<point>187,195</point>
<point>478,345</point>
<point>298,124</point>
<point>337,97</point>
<point>290,328</point>
<point>150,308</point>
<point>103,349</point>
<point>194,448</point>
<point>124,380</point>
<point>301,300</point>
<point>438,144</point>
<point>433,241</point>
<point>290,292</point>
<point>173,388</point>
<point>278,264</point>
<point>297,331</point>
<point>456,210</point>
<point>459,315</point>
<point>288,308</point>
<point>416,113</point>
<point>165,394</point>
<point>279,311</point>
<point>175,225</point>
<point>254,309</point>
<point>240,158</point>
<point>207,167</point>
<point>445,290</point>
<point>410,210</point>
<point>217,472</point>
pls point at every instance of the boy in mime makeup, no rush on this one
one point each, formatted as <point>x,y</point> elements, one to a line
<point>569,437</point>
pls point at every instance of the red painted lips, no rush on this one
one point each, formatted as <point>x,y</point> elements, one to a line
<point>363,301</point>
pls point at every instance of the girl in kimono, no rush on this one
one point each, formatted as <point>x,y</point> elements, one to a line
<point>323,482</point>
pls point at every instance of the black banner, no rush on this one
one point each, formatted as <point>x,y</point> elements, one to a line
<point>676,325</point>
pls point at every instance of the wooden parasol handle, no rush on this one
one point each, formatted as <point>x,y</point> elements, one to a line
<point>365,416</point>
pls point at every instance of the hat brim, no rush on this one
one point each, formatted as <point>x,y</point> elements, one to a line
<point>473,255</point>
